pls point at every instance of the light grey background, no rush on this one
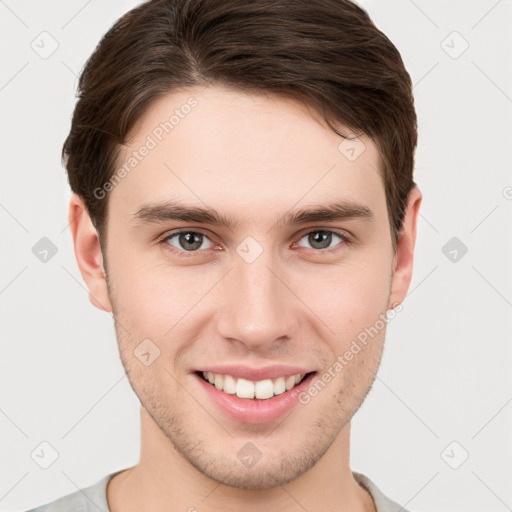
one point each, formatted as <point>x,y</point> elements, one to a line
<point>445,375</point>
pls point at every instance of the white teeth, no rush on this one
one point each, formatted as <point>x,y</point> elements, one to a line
<point>279,386</point>
<point>290,382</point>
<point>243,388</point>
<point>264,389</point>
<point>219,381</point>
<point>229,385</point>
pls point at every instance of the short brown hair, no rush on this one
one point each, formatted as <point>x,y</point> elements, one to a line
<point>327,54</point>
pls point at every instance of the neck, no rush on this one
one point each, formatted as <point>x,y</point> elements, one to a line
<point>163,480</point>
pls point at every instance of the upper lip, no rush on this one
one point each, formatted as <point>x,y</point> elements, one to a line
<point>256,374</point>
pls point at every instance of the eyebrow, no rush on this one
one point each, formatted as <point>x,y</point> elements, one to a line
<point>175,210</point>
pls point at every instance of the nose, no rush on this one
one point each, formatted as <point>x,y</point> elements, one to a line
<point>258,308</point>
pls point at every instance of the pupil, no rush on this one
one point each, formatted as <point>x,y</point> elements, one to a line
<point>193,239</point>
<point>320,237</point>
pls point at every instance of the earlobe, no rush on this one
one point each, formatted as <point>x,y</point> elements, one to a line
<point>88,253</point>
<point>404,256</point>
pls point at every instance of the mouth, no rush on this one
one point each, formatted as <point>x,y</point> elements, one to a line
<point>253,390</point>
<point>239,399</point>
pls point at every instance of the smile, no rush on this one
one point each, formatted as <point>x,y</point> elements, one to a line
<point>243,388</point>
<point>259,401</point>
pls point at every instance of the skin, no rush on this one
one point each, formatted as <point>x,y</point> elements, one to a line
<point>254,159</point>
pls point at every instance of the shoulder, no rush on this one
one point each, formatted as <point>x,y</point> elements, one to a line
<point>382,502</point>
<point>70,503</point>
<point>88,499</point>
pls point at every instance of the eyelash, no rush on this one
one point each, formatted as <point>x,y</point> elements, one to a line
<point>346,240</point>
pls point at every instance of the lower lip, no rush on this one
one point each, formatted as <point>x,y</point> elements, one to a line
<point>254,410</point>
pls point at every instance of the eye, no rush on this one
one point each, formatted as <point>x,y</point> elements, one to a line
<point>193,241</point>
<point>321,240</point>
<point>189,241</point>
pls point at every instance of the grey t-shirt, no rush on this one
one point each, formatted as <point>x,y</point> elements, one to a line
<point>94,498</point>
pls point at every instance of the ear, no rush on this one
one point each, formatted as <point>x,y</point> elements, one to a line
<point>88,253</point>
<point>404,256</point>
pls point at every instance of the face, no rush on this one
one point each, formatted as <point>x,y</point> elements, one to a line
<point>265,287</point>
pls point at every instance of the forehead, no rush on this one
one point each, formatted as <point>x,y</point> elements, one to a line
<point>242,152</point>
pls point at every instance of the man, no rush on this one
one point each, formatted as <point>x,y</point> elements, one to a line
<point>244,205</point>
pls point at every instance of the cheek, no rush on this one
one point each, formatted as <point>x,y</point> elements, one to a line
<point>358,285</point>
<point>348,297</point>
<point>153,298</point>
